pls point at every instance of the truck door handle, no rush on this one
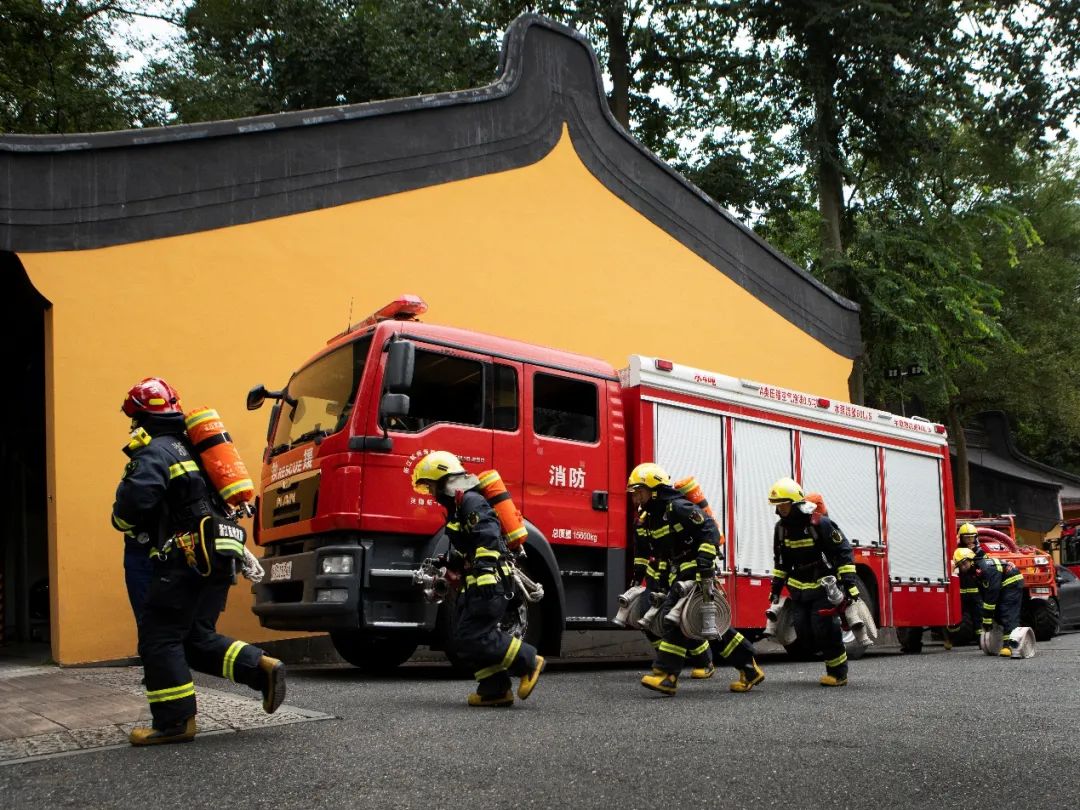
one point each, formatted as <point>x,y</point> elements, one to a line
<point>600,500</point>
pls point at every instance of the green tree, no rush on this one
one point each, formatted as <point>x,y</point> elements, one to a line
<point>58,71</point>
<point>251,57</point>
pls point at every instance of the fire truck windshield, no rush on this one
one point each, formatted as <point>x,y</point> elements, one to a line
<point>320,397</point>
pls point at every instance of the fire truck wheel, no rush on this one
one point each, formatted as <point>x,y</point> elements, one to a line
<point>1044,618</point>
<point>910,639</point>
<point>374,654</point>
<point>965,631</point>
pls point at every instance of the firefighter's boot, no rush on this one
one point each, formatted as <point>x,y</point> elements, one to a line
<point>749,677</point>
<point>273,688</point>
<point>185,732</point>
<point>505,699</point>
<point>529,681</point>
<point>701,673</point>
<point>947,643</point>
<point>665,683</point>
<point>833,680</point>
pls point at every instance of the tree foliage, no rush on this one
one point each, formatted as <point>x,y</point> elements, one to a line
<point>58,71</point>
<point>252,57</point>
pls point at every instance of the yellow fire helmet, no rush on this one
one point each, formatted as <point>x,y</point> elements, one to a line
<point>968,528</point>
<point>432,468</point>
<point>786,490</point>
<point>647,475</point>
<point>960,555</point>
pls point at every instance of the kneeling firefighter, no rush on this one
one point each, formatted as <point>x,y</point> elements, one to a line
<point>1001,586</point>
<point>166,501</point>
<point>967,536</point>
<point>686,537</point>
<point>803,553</point>
<point>478,552</point>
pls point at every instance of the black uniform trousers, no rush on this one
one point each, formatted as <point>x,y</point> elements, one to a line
<point>493,653</point>
<point>178,629</point>
<point>675,650</point>
<point>1007,612</point>
<point>824,630</point>
<point>733,648</point>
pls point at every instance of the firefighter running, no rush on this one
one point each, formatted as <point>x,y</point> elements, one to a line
<point>1001,588</point>
<point>803,553</point>
<point>165,498</point>
<point>478,552</point>
<point>685,538</point>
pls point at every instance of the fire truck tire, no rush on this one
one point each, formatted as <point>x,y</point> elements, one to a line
<point>1044,618</point>
<point>910,639</point>
<point>375,654</point>
<point>965,631</point>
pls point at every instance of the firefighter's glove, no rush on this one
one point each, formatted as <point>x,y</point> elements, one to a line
<point>705,568</point>
<point>639,574</point>
<point>774,596</point>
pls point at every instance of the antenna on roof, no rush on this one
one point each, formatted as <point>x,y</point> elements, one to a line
<point>348,321</point>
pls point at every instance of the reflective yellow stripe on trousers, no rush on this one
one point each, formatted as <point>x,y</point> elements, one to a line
<point>172,693</point>
<point>230,659</point>
<point>511,653</point>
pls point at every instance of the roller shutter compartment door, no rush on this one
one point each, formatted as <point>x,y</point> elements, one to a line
<point>846,475</point>
<point>762,455</point>
<point>914,516</point>
<point>692,443</point>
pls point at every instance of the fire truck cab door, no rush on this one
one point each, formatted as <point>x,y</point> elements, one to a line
<point>566,456</point>
<point>447,411</point>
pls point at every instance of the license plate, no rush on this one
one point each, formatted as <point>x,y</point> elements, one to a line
<point>281,570</point>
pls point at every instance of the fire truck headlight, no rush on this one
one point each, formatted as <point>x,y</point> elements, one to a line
<point>331,594</point>
<point>1042,560</point>
<point>337,564</point>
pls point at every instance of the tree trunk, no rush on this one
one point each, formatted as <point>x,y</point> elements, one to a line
<point>826,146</point>
<point>618,60</point>
<point>962,483</point>
<point>829,172</point>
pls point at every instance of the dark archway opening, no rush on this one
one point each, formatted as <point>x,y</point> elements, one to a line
<point>24,537</point>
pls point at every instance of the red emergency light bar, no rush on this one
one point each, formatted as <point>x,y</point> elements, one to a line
<point>405,308</point>
<point>664,365</point>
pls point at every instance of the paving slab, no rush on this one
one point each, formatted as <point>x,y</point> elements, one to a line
<point>47,711</point>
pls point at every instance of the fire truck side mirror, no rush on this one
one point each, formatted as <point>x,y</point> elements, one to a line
<point>393,405</point>
<point>258,395</point>
<point>399,367</point>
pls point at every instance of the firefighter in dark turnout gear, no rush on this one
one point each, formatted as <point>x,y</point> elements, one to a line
<point>478,553</point>
<point>686,538</point>
<point>164,495</point>
<point>1001,588</point>
<point>803,553</point>
<point>970,602</point>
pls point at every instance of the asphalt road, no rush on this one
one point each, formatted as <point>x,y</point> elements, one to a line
<point>941,729</point>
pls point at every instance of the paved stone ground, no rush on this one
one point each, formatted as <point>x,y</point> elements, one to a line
<point>47,711</point>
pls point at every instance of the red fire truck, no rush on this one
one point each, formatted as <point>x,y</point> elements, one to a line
<point>343,532</point>
<point>1041,610</point>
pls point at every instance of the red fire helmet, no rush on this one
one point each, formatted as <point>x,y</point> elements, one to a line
<point>152,395</point>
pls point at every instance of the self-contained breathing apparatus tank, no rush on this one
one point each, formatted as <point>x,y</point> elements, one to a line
<point>513,525</point>
<point>219,458</point>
